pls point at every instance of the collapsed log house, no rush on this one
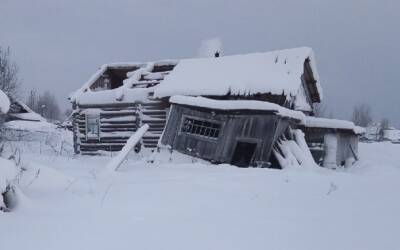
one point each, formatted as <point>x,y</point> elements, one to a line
<point>115,101</point>
<point>229,109</point>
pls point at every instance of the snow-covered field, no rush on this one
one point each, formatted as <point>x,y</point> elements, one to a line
<point>66,202</point>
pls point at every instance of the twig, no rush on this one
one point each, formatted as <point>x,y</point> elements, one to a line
<point>105,194</point>
<point>34,178</point>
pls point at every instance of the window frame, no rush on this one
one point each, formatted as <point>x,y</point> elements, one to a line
<point>199,128</point>
<point>91,135</point>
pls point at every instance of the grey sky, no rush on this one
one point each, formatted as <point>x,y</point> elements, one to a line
<point>59,44</point>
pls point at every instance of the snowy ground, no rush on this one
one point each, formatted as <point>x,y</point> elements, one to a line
<point>68,204</point>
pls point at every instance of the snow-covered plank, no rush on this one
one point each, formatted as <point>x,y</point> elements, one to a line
<point>115,162</point>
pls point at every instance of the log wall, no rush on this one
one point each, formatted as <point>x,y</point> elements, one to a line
<point>118,123</point>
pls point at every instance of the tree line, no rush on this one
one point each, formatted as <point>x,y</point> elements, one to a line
<point>44,104</point>
<point>361,116</point>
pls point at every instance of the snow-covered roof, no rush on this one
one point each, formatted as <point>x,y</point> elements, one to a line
<point>85,87</point>
<point>316,122</point>
<point>28,125</point>
<point>26,113</point>
<point>129,91</point>
<point>204,102</point>
<point>276,72</point>
<point>4,103</point>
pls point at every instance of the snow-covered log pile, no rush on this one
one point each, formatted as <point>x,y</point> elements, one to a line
<point>293,152</point>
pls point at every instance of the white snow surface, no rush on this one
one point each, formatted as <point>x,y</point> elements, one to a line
<point>273,72</point>
<point>30,116</point>
<point>4,102</point>
<point>179,202</point>
<point>8,172</point>
<point>236,105</point>
<point>317,122</point>
<point>33,126</point>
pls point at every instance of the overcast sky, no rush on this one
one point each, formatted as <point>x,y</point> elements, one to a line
<point>60,44</point>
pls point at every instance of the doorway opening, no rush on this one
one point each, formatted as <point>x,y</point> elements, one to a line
<point>243,154</point>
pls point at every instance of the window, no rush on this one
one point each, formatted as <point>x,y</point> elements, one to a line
<point>201,128</point>
<point>93,126</point>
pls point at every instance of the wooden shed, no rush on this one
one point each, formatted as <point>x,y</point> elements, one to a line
<point>238,132</point>
<point>332,142</point>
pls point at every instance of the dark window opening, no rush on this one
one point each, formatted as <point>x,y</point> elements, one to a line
<point>16,108</point>
<point>112,78</point>
<point>201,128</point>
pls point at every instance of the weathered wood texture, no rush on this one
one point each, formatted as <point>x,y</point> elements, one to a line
<point>153,112</point>
<point>119,120</point>
<point>116,126</point>
<point>112,78</point>
<point>346,145</point>
<point>260,128</point>
<point>309,81</point>
<point>118,123</point>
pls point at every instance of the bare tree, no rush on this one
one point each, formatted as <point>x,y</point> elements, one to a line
<point>362,115</point>
<point>44,104</point>
<point>9,81</point>
<point>49,106</point>
<point>384,125</point>
<point>32,99</point>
